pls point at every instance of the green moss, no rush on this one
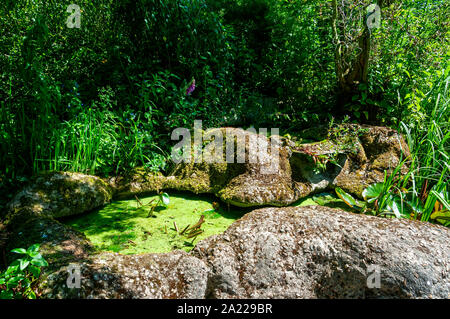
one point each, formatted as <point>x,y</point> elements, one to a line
<point>323,199</point>
<point>123,226</point>
<point>307,201</point>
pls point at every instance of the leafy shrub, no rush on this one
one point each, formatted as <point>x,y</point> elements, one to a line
<point>19,280</point>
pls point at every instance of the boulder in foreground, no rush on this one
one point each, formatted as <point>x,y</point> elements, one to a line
<point>319,252</point>
<point>294,252</point>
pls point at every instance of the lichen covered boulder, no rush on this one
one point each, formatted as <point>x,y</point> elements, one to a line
<point>319,252</point>
<point>60,194</point>
<point>262,177</point>
<point>265,177</point>
<point>113,276</point>
<point>357,157</point>
<point>280,172</point>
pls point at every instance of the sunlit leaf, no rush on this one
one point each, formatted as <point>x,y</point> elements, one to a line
<point>372,192</point>
<point>348,199</point>
<point>19,251</point>
<point>441,215</point>
<point>165,198</point>
<point>39,262</point>
<point>33,249</point>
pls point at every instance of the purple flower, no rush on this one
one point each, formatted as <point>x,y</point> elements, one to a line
<point>191,87</point>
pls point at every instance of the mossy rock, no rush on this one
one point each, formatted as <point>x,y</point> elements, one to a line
<point>32,219</point>
<point>355,159</point>
<point>59,194</point>
<point>251,182</point>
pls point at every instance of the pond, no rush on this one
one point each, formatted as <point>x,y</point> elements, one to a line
<point>128,227</point>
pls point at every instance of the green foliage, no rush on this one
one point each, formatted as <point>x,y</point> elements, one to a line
<point>429,142</point>
<point>348,199</point>
<point>131,232</point>
<point>345,136</point>
<point>163,200</point>
<point>104,98</point>
<point>19,279</point>
<point>390,199</point>
<point>409,53</point>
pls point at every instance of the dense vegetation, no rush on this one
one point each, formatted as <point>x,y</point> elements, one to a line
<point>105,97</point>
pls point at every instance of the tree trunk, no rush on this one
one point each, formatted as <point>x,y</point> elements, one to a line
<point>349,74</point>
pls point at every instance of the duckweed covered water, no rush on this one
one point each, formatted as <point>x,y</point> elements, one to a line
<point>123,226</point>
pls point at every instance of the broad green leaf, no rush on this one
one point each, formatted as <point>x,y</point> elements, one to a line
<point>34,254</point>
<point>39,262</point>
<point>372,192</point>
<point>416,208</point>
<point>19,251</point>
<point>31,295</point>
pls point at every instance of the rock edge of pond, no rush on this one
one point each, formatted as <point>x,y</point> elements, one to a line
<point>291,252</point>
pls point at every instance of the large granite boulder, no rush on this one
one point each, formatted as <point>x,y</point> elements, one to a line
<point>59,194</point>
<point>283,171</point>
<point>262,178</point>
<point>319,252</point>
<point>301,252</point>
<point>113,276</point>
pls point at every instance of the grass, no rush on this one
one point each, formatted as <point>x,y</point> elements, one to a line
<point>429,143</point>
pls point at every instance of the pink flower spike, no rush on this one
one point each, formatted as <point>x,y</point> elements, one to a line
<point>191,87</point>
